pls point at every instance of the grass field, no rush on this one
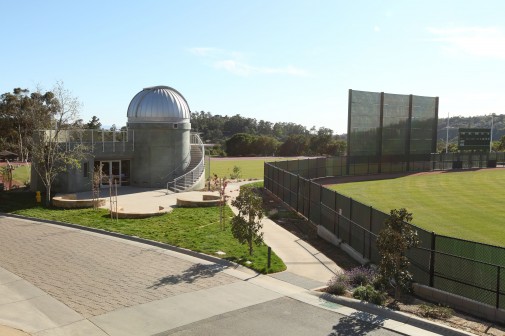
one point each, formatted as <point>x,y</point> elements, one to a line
<point>21,174</point>
<point>250,167</point>
<point>463,204</point>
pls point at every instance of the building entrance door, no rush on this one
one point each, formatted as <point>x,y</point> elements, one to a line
<point>111,173</point>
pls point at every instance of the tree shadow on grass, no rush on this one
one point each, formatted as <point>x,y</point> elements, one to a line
<point>192,274</point>
<point>357,324</point>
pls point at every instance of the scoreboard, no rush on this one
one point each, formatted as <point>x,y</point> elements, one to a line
<point>476,139</point>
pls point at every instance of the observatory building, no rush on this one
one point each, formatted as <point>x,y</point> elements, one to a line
<point>156,150</point>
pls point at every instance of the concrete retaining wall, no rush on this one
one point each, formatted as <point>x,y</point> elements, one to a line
<point>70,202</point>
<point>460,303</point>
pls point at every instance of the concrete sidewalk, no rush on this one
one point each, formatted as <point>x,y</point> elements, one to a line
<point>204,286</point>
<point>306,266</point>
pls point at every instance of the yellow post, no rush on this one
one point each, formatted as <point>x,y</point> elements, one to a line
<point>37,197</point>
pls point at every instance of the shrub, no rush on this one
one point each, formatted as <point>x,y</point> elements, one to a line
<point>438,312</point>
<point>369,294</point>
<point>236,173</point>
<point>338,284</point>
<point>361,276</point>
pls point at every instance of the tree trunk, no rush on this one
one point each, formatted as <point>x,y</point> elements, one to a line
<point>398,293</point>
<point>48,196</point>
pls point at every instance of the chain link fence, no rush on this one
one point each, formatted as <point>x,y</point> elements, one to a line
<point>469,269</point>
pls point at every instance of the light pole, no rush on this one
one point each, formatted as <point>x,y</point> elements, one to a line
<point>491,138</point>
<point>447,135</point>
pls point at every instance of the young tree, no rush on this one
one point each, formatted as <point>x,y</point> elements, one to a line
<point>393,242</point>
<point>236,173</point>
<point>219,184</point>
<point>246,226</point>
<point>54,150</point>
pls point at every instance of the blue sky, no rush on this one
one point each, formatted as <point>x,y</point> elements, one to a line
<point>290,61</point>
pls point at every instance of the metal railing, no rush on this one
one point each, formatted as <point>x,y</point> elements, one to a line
<point>172,173</point>
<point>188,179</point>
<point>96,140</point>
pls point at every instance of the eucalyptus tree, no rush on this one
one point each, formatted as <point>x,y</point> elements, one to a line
<point>20,114</point>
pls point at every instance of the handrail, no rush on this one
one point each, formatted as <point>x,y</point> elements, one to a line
<point>178,167</point>
<point>196,171</point>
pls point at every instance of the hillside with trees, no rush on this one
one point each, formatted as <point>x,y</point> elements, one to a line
<point>241,136</point>
<point>21,112</point>
<point>457,122</point>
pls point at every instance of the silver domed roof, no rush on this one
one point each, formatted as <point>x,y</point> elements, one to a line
<point>158,104</point>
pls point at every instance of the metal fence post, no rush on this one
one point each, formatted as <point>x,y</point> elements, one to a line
<point>308,210</point>
<point>298,192</point>
<point>498,288</point>
<point>364,246</point>
<point>336,218</point>
<point>370,235</point>
<point>320,205</point>
<point>432,259</point>
<point>350,220</point>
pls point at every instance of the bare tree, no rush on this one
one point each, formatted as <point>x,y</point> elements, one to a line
<point>219,184</point>
<point>56,149</point>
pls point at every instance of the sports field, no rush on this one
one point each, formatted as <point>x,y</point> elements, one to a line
<point>464,204</point>
<point>250,167</point>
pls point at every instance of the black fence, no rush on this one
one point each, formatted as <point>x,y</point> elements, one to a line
<point>469,269</point>
<point>467,160</point>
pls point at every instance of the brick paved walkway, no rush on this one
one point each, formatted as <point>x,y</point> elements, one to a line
<point>94,275</point>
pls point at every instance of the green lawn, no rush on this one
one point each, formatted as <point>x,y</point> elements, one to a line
<point>461,204</point>
<point>197,229</point>
<point>250,167</point>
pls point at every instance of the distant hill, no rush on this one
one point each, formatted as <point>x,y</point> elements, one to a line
<point>471,122</point>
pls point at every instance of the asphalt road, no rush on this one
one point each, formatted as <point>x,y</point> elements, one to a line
<point>283,316</point>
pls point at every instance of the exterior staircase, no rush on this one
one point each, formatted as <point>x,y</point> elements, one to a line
<point>192,174</point>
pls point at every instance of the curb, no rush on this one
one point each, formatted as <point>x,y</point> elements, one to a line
<point>387,313</point>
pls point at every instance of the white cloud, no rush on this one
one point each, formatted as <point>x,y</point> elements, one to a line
<point>485,42</point>
<point>376,29</point>
<point>234,67</point>
<point>232,61</point>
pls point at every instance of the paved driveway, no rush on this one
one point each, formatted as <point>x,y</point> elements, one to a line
<point>93,274</point>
